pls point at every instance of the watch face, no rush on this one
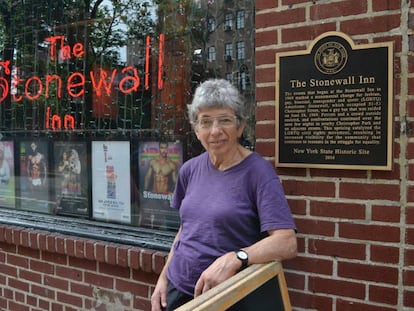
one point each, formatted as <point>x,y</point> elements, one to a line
<point>242,255</point>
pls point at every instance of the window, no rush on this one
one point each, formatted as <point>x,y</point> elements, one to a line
<point>228,52</point>
<point>228,21</point>
<point>229,77</point>
<point>197,4</point>
<point>197,56</point>
<point>240,19</point>
<point>211,53</point>
<point>240,50</point>
<point>243,81</point>
<point>243,77</point>
<point>90,98</point>
<point>211,24</point>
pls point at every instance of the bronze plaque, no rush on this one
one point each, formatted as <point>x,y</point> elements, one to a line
<point>334,105</point>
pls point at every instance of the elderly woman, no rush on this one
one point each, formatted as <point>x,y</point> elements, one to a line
<point>232,206</point>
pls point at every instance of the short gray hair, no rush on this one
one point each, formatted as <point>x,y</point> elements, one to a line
<point>217,93</point>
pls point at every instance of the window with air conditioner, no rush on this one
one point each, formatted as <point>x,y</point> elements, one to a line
<point>228,21</point>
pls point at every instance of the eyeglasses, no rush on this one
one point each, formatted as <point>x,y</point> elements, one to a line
<point>225,121</point>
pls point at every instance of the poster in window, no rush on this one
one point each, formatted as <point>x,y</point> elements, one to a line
<point>158,162</point>
<point>71,178</point>
<point>7,187</point>
<point>34,176</point>
<point>111,187</point>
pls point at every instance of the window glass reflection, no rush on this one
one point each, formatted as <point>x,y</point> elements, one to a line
<point>119,70</point>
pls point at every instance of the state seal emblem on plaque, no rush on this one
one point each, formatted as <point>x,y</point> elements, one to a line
<point>331,57</point>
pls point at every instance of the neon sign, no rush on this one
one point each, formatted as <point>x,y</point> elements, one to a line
<point>102,80</point>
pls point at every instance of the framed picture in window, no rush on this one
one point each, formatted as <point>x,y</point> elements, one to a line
<point>158,165</point>
<point>70,178</point>
<point>7,177</point>
<point>111,175</point>
<point>34,176</point>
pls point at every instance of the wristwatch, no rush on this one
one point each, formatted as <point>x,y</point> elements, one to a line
<point>243,257</point>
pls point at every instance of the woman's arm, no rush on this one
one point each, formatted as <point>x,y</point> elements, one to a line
<point>277,246</point>
<point>159,296</point>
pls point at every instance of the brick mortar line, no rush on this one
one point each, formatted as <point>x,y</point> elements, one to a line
<point>405,12</point>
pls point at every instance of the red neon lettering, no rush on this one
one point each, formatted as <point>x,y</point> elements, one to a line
<point>4,86</point>
<point>102,80</point>
<point>56,122</point>
<point>49,79</point>
<point>102,83</point>
<point>69,122</point>
<point>161,62</point>
<point>15,82</point>
<point>134,79</point>
<point>78,50</point>
<point>73,85</point>
<point>147,63</point>
<point>27,87</point>
<point>53,49</point>
<point>6,67</point>
<point>47,118</point>
<point>64,53</point>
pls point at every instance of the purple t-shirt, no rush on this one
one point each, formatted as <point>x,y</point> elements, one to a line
<point>223,211</point>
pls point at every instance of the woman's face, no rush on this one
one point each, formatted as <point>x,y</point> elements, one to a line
<point>218,130</point>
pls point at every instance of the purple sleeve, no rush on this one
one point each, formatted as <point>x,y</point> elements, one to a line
<point>273,209</point>
<point>180,186</point>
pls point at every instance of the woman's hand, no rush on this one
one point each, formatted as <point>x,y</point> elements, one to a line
<point>159,296</point>
<point>278,245</point>
<point>220,270</point>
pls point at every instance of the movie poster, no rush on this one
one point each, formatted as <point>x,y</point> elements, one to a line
<point>158,163</point>
<point>34,176</point>
<point>111,184</point>
<point>71,185</point>
<point>7,187</point>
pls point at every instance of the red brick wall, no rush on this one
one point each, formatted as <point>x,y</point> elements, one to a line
<point>44,271</point>
<point>356,228</point>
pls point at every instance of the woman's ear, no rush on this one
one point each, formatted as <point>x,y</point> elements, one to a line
<point>241,127</point>
<point>195,129</point>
